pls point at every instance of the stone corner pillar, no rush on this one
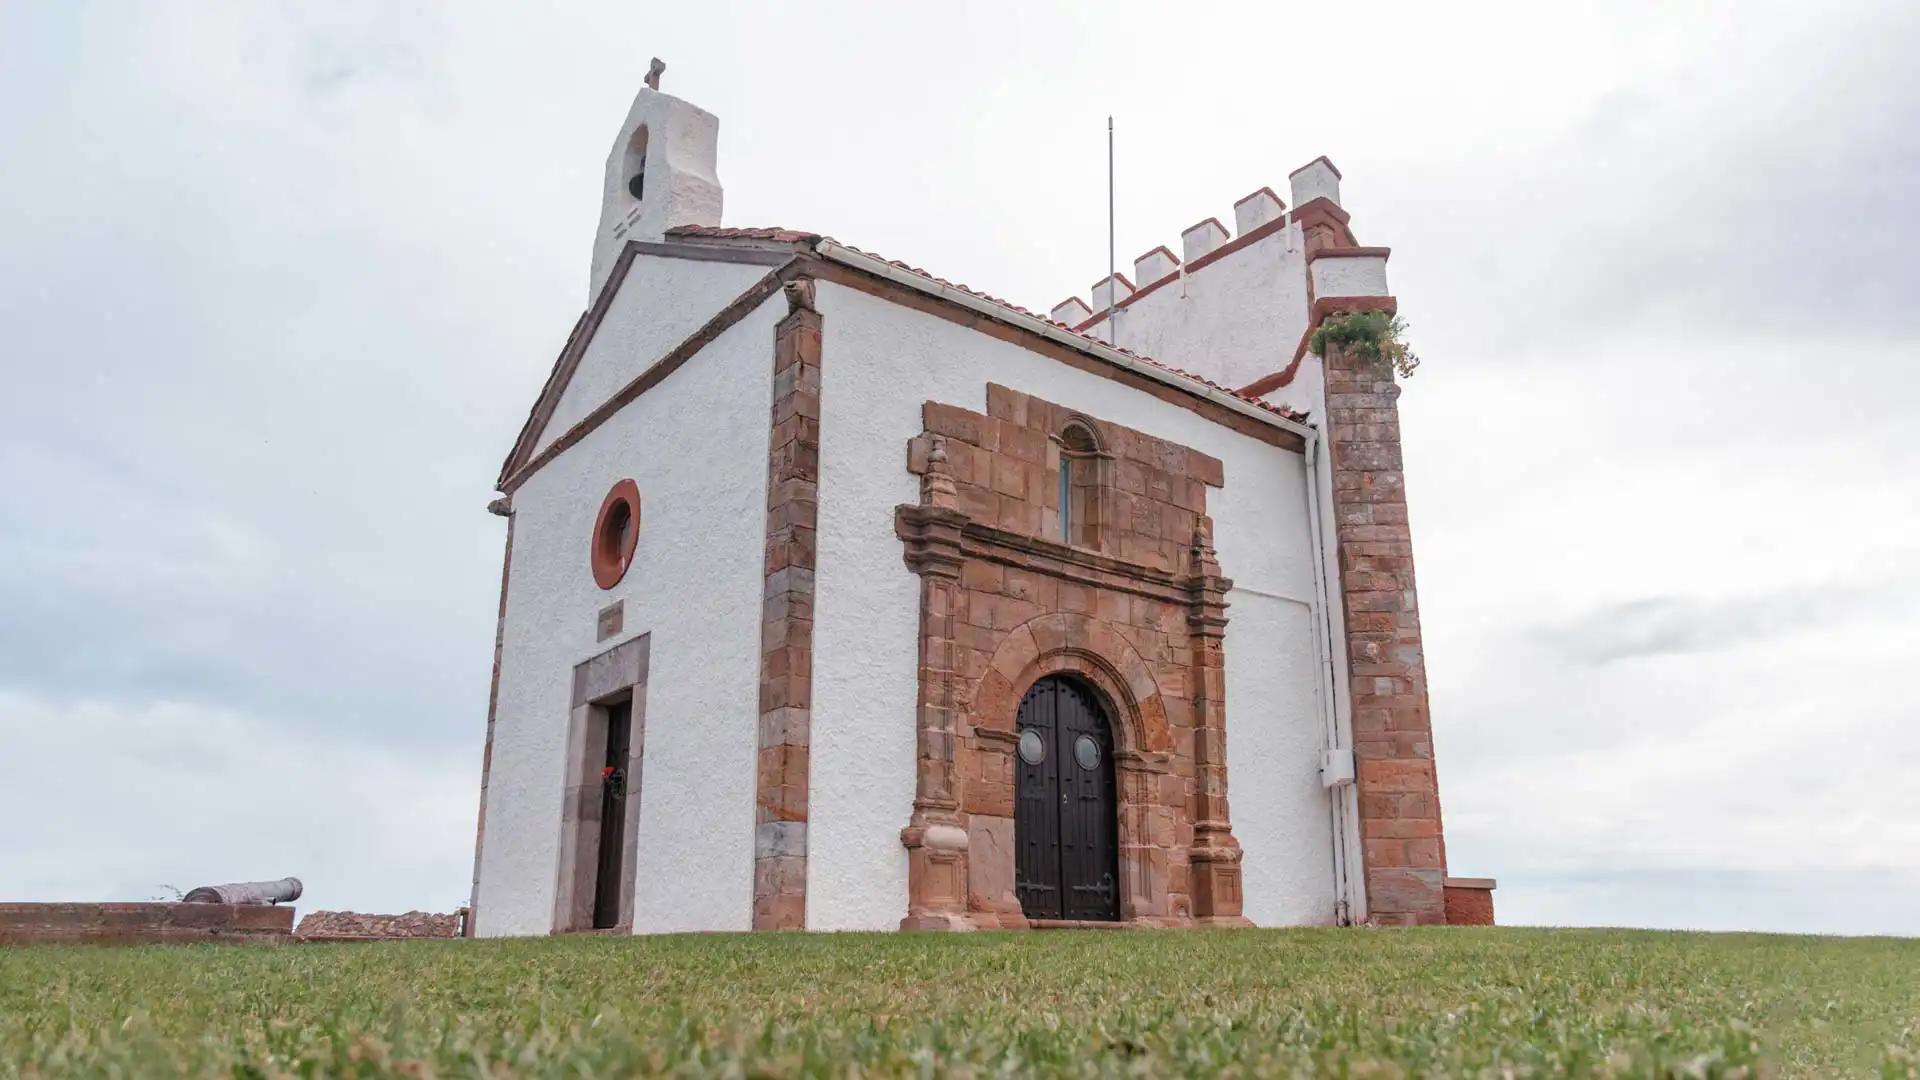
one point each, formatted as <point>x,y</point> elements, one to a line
<point>1404,849</point>
<point>781,781</point>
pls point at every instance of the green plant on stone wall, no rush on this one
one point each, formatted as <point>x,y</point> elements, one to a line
<point>1374,336</point>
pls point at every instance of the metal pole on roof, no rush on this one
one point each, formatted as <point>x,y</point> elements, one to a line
<point>1112,289</point>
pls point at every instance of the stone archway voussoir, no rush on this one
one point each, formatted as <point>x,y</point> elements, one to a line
<point>1016,653</point>
<point>1051,633</point>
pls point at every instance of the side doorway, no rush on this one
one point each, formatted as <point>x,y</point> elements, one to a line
<point>600,802</point>
<point>1066,820</point>
<point>610,869</point>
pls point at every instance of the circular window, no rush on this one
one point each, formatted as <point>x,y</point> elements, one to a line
<point>1033,750</point>
<point>1086,752</point>
<point>615,532</point>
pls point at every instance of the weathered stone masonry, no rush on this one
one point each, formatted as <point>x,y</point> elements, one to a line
<point>1134,607</point>
<point>142,923</point>
<point>1399,794</point>
<point>1470,901</point>
<point>786,632</point>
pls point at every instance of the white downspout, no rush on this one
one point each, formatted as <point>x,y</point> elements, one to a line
<point>1337,766</point>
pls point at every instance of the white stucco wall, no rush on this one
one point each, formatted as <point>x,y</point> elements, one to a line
<point>696,445</point>
<point>1233,320</point>
<point>1306,394</point>
<point>1275,732</point>
<point>1350,275</point>
<point>1314,180</point>
<point>661,302</point>
<point>880,362</point>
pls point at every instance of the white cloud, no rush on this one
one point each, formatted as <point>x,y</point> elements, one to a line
<point>119,800</point>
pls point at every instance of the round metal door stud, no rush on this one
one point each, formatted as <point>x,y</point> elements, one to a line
<point>1086,752</point>
<point>1033,749</point>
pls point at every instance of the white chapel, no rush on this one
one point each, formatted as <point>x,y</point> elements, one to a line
<point>840,596</point>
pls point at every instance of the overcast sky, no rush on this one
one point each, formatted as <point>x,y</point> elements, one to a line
<point>278,284</point>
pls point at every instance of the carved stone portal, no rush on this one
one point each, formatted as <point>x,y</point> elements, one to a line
<point>1117,586</point>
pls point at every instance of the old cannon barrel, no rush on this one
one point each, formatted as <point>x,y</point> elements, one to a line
<point>247,892</point>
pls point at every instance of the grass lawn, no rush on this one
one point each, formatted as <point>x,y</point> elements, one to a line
<point>1341,1002</point>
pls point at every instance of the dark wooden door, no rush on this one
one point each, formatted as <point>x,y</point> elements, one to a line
<point>613,817</point>
<point>1066,830</point>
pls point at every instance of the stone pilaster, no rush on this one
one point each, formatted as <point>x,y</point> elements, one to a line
<point>786,641</point>
<point>1215,858</point>
<point>1405,851</point>
<point>936,835</point>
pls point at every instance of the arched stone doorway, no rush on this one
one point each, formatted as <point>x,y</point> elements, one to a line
<point>1133,613</point>
<point>1066,816</point>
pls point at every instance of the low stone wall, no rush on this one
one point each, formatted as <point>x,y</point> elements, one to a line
<point>142,924</point>
<point>1469,901</point>
<point>355,926</point>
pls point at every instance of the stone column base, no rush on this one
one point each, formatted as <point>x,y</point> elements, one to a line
<point>936,877</point>
<point>1216,885</point>
<point>938,921</point>
<point>989,920</point>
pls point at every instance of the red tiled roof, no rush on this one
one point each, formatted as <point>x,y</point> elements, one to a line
<point>721,232</point>
<point>794,236</point>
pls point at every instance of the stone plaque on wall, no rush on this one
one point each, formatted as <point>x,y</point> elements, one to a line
<point>612,619</point>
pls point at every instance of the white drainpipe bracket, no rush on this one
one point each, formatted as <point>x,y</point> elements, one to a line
<point>1336,768</point>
